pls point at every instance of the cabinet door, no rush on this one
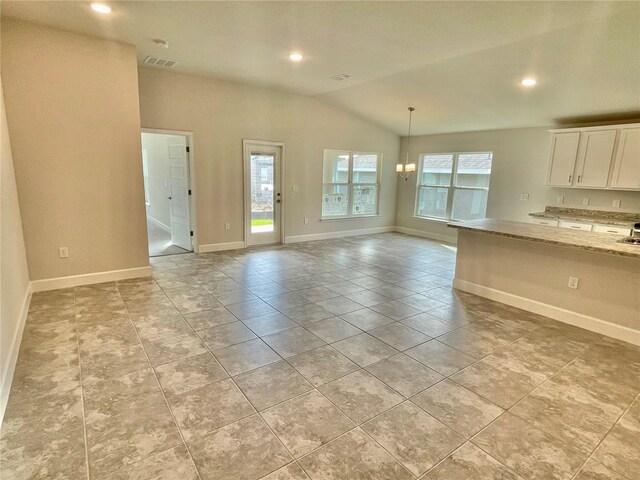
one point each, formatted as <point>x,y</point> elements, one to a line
<point>594,158</point>
<point>626,167</point>
<point>564,149</point>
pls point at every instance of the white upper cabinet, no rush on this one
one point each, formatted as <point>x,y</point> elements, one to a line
<point>606,157</point>
<point>562,161</point>
<point>626,166</point>
<point>595,154</point>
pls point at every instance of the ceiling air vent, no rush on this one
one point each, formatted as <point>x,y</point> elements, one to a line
<point>340,77</point>
<point>159,62</point>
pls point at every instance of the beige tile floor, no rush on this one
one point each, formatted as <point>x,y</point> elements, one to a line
<point>343,359</point>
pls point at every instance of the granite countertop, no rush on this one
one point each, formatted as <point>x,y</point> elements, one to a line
<point>619,219</point>
<point>592,241</point>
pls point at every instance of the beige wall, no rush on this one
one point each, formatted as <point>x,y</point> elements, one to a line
<point>72,108</point>
<point>157,148</point>
<point>14,275</point>
<point>520,163</point>
<point>221,114</point>
<point>608,288</point>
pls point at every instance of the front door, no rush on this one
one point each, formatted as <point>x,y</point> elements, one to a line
<point>263,198</point>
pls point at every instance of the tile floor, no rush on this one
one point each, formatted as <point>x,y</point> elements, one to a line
<point>343,359</point>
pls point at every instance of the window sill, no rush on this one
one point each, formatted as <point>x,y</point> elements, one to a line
<point>358,217</point>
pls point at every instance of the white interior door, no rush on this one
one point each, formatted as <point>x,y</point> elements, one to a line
<point>179,196</point>
<point>263,195</point>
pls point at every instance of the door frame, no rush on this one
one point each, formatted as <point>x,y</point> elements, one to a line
<point>247,186</point>
<point>191,172</point>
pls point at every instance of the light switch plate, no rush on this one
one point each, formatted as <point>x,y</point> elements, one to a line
<point>573,282</point>
<point>306,221</point>
<point>64,252</point>
<point>560,198</point>
<point>227,226</point>
<point>616,204</point>
<point>524,196</point>
<point>585,201</point>
<point>294,188</point>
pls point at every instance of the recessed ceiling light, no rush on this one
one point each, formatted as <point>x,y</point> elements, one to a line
<point>528,82</point>
<point>101,8</point>
<point>295,57</point>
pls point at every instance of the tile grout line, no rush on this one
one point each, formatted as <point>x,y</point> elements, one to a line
<point>84,416</point>
<point>155,376</point>
<point>508,410</point>
<point>637,398</point>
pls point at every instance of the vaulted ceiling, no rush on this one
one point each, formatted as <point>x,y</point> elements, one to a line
<point>459,63</point>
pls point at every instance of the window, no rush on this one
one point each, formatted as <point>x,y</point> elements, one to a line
<point>350,184</point>
<point>453,185</point>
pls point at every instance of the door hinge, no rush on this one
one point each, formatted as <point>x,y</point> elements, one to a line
<point>189,191</point>
<point>191,233</point>
<point>188,150</point>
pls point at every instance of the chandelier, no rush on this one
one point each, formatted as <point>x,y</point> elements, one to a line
<point>406,169</point>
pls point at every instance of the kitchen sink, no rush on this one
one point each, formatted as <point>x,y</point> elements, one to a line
<point>630,240</point>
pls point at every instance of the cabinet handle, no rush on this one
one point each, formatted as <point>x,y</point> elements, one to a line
<point>569,178</point>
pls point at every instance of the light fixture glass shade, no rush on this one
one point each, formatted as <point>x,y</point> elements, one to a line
<point>410,167</point>
<point>399,167</point>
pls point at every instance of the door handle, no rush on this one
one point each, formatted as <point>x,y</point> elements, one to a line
<point>169,198</point>
<point>278,201</point>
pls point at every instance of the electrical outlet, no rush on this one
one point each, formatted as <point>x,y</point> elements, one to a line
<point>616,204</point>
<point>64,252</point>
<point>294,188</point>
<point>524,196</point>
<point>585,201</point>
<point>306,221</point>
<point>560,198</point>
<point>573,282</point>
<point>227,226</point>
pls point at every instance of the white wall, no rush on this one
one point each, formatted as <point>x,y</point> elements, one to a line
<point>157,150</point>
<point>73,115</point>
<point>520,160</point>
<point>14,276</point>
<point>221,114</point>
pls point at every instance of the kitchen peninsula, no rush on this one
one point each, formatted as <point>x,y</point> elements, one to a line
<point>529,266</point>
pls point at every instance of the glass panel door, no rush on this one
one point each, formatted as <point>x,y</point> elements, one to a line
<point>263,197</point>
<point>262,192</point>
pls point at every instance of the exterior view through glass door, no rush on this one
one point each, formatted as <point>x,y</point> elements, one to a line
<point>263,197</point>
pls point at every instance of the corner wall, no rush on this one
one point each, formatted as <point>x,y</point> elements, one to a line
<point>221,114</point>
<point>73,116</point>
<point>15,288</point>
<point>520,161</point>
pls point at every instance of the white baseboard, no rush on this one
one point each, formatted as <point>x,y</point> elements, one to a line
<point>587,322</point>
<point>433,236</point>
<point>340,234</point>
<point>159,224</point>
<point>219,247</point>
<point>89,278</point>
<point>10,365</point>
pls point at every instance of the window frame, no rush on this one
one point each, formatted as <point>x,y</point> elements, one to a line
<point>350,185</point>
<point>452,187</point>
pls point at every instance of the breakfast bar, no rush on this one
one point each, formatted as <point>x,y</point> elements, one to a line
<point>587,279</point>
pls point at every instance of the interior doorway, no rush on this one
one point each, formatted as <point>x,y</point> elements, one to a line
<point>263,172</point>
<point>167,191</point>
